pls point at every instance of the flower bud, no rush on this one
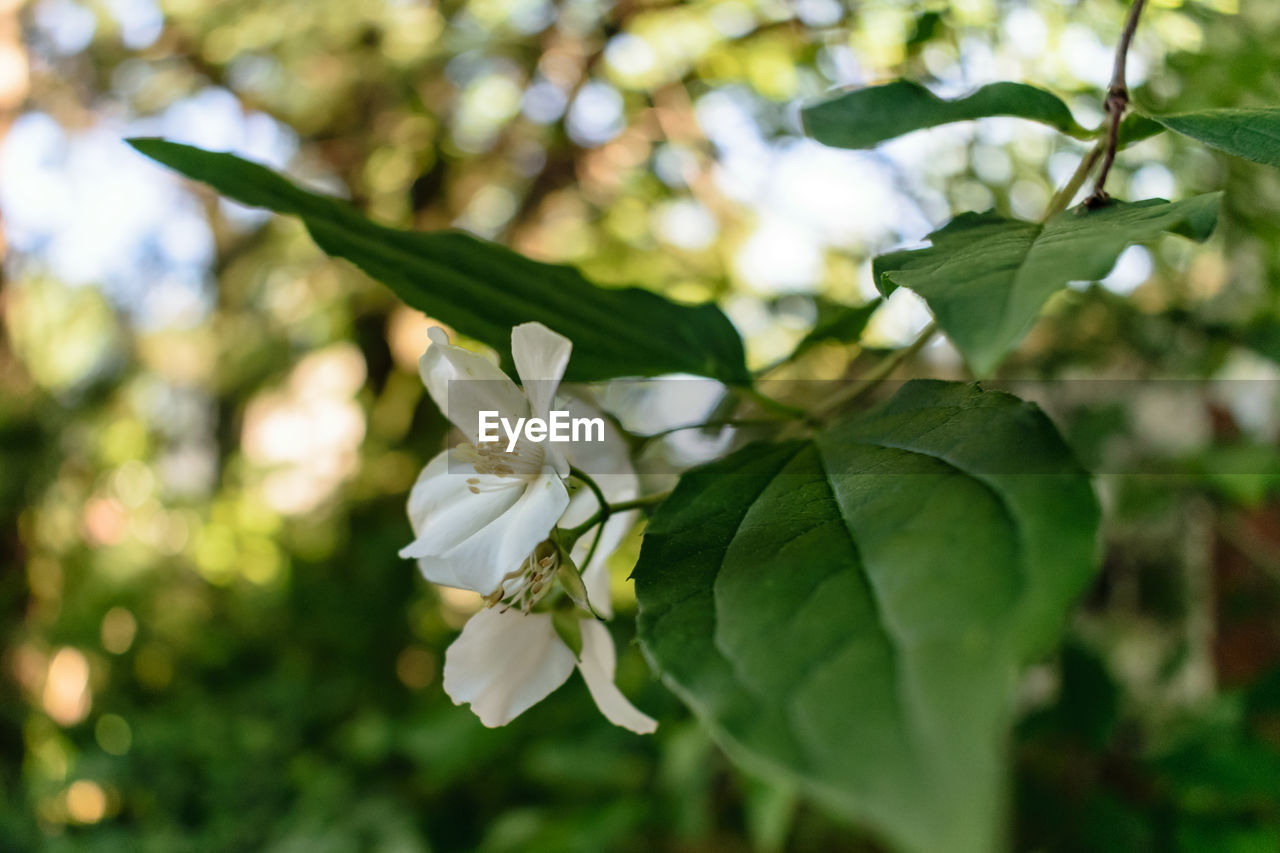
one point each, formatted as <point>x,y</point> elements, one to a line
<point>571,581</point>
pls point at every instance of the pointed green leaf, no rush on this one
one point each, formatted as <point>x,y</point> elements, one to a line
<point>1136,127</point>
<point>866,117</point>
<point>851,611</point>
<point>837,322</point>
<point>484,289</point>
<point>927,27</point>
<point>1253,134</point>
<point>986,277</point>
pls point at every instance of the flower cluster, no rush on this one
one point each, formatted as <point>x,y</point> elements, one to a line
<point>492,519</point>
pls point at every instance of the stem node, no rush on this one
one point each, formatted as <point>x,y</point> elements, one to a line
<point>1116,103</point>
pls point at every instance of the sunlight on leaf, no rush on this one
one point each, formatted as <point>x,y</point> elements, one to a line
<point>864,118</point>
<point>986,277</point>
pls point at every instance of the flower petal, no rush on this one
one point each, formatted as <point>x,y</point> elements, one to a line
<point>444,511</point>
<point>464,383</point>
<point>479,562</point>
<point>504,662</point>
<point>609,464</point>
<point>595,576</point>
<point>607,461</point>
<point>541,356</point>
<point>597,666</point>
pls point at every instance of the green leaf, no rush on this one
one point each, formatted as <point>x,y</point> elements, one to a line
<point>1135,127</point>
<point>866,117</point>
<point>927,27</point>
<point>770,809</point>
<point>1262,335</point>
<point>484,289</point>
<point>851,611</point>
<point>986,277</point>
<point>837,322</point>
<point>1253,134</point>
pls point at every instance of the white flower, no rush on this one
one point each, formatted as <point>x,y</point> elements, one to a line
<point>478,511</point>
<point>507,660</point>
<point>486,527</point>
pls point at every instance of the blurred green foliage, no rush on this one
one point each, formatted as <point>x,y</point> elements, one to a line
<point>207,640</point>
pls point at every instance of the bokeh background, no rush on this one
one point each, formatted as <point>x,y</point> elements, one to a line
<point>208,429</point>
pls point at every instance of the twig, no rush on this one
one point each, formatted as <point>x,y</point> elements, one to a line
<point>606,509</point>
<point>591,552</point>
<point>767,402</point>
<point>728,422</point>
<point>1063,197</point>
<point>1116,103</point>
<point>880,372</point>
<point>585,478</point>
<point>640,503</point>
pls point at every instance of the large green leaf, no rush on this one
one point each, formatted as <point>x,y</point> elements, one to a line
<point>851,611</point>
<point>1253,134</point>
<point>986,277</point>
<point>484,289</point>
<point>866,117</point>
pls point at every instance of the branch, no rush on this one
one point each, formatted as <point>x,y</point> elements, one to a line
<point>640,503</point>
<point>1116,103</point>
<point>766,402</point>
<point>644,440</point>
<point>586,480</point>
<point>1063,197</point>
<point>878,374</point>
<point>606,509</point>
